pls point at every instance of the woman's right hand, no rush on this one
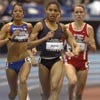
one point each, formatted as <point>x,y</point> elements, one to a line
<point>50,34</point>
<point>69,54</point>
<point>16,32</point>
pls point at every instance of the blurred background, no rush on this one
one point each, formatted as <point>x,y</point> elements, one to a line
<point>34,11</point>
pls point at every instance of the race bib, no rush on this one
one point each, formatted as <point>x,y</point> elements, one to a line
<point>82,46</point>
<point>21,37</point>
<point>54,46</point>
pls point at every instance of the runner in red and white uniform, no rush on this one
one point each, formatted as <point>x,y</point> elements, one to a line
<point>76,68</point>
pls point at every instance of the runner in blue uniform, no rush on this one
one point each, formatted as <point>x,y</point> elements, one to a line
<point>16,35</point>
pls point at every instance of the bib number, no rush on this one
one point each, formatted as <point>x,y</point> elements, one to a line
<point>82,46</point>
<point>54,46</point>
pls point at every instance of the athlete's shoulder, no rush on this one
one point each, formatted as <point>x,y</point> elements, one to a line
<point>6,28</point>
<point>27,23</point>
<point>67,25</point>
<point>89,27</point>
<point>38,25</point>
<point>7,25</point>
<point>61,24</point>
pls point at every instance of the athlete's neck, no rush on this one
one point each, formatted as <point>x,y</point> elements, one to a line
<point>18,23</point>
<point>52,23</point>
<point>78,24</point>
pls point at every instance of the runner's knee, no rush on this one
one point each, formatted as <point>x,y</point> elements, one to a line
<point>73,82</point>
<point>54,87</point>
<point>23,80</point>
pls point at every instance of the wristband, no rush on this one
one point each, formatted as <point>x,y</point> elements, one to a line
<point>10,39</point>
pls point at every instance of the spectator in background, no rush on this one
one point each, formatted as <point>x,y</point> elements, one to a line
<point>10,6</point>
<point>33,9</point>
<point>29,2</point>
<point>3,8</point>
<point>46,1</point>
<point>94,8</point>
<point>98,37</point>
<point>69,2</point>
<point>62,2</point>
<point>85,2</point>
<point>66,7</point>
<point>7,7</point>
<point>13,2</point>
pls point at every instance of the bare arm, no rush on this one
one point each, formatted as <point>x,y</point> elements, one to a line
<point>3,35</point>
<point>71,41</point>
<point>37,28</point>
<point>35,31</point>
<point>90,39</point>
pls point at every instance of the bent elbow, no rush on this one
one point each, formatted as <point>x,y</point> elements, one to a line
<point>94,49</point>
